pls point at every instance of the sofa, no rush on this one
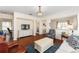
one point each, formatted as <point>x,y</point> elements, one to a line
<point>71,45</point>
<point>65,48</point>
<point>60,31</point>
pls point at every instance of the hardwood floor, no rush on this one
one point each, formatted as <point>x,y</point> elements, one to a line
<point>24,42</point>
<point>30,39</point>
<point>58,41</point>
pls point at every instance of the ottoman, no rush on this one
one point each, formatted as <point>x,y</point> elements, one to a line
<point>43,44</point>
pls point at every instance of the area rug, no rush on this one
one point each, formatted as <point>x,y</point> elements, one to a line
<point>52,49</point>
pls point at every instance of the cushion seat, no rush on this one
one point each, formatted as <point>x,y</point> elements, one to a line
<point>43,44</point>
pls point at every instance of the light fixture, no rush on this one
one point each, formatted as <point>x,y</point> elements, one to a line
<point>39,13</point>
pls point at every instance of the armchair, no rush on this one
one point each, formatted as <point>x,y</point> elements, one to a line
<point>51,34</point>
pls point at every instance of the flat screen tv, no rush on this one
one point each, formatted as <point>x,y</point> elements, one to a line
<point>25,26</point>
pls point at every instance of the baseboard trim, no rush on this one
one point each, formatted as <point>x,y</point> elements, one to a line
<point>24,37</point>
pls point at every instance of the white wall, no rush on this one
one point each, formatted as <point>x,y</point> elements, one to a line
<point>63,15</point>
<point>34,28</point>
<point>41,26</point>
<point>28,32</point>
<point>20,18</point>
<point>53,24</point>
<point>6,16</point>
<point>47,25</point>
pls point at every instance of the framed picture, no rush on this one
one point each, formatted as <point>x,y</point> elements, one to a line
<point>25,26</point>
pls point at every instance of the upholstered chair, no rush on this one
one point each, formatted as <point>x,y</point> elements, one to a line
<point>51,34</point>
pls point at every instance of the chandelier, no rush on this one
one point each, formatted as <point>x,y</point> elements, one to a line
<point>39,13</point>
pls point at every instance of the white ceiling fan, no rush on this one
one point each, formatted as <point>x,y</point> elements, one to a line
<point>39,13</point>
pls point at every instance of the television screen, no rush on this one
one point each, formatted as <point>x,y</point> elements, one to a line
<point>25,26</point>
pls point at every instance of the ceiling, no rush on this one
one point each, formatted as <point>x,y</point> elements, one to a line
<point>47,10</point>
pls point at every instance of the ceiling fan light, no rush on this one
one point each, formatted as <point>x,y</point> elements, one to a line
<point>40,14</point>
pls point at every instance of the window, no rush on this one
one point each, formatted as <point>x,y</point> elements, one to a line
<point>6,25</point>
<point>62,25</point>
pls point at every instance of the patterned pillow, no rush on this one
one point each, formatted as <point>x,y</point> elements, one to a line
<point>72,41</point>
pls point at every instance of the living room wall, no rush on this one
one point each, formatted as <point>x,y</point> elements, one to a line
<point>64,14</point>
<point>5,17</point>
<point>20,18</point>
<point>71,20</point>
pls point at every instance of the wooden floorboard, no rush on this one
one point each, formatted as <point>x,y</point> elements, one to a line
<point>25,41</point>
<point>30,39</point>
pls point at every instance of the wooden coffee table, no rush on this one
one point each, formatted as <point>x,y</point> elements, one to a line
<point>14,47</point>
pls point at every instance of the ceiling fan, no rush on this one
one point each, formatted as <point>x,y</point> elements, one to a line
<point>39,13</point>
